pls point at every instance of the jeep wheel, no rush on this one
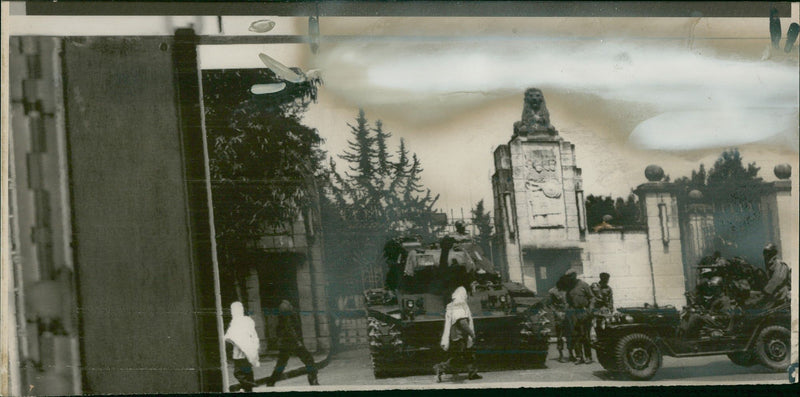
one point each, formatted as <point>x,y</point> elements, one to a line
<point>638,356</point>
<point>743,359</point>
<point>606,359</point>
<point>772,347</point>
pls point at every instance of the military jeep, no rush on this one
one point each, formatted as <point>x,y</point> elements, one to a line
<point>633,340</point>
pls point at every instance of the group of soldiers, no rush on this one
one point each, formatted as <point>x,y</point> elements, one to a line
<point>574,304</point>
<point>728,287</point>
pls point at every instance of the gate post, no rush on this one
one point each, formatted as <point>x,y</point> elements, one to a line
<point>781,212</point>
<point>660,208</point>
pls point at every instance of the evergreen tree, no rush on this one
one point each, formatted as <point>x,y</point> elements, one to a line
<point>361,150</point>
<point>729,169</point>
<point>627,213</point>
<point>377,199</point>
<point>483,222</point>
<point>623,212</point>
<point>597,207</point>
<point>734,191</point>
<point>382,149</point>
<point>728,179</point>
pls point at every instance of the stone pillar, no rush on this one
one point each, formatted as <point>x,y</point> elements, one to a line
<point>781,214</point>
<point>305,288</point>
<point>663,236</point>
<point>318,284</point>
<point>505,215</point>
<point>323,333</point>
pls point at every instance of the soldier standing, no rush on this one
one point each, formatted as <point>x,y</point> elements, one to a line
<point>603,294</point>
<point>558,305</point>
<point>778,287</point>
<point>581,304</point>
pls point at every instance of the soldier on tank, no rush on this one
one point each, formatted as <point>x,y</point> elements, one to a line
<point>461,232</point>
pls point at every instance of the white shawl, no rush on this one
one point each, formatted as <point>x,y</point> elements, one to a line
<point>242,333</point>
<point>456,310</point>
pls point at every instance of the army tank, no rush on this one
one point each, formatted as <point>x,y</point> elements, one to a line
<point>406,318</point>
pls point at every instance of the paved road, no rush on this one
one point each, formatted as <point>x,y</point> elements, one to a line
<point>353,368</point>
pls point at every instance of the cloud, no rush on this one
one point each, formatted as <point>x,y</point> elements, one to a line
<point>688,130</point>
<point>750,98</point>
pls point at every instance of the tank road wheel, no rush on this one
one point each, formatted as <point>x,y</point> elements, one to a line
<point>385,347</point>
<point>772,347</point>
<point>743,359</point>
<point>638,356</point>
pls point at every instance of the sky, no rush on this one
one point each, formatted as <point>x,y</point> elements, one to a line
<point>628,92</point>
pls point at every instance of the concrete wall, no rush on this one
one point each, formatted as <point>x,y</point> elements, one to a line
<point>624,256</point>
<point>143,262</point>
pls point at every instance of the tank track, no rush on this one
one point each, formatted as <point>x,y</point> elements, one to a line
<point>385,346</point>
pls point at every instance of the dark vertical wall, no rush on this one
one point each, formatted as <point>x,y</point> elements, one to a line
<point>188,83</point>
<point>140,218</point>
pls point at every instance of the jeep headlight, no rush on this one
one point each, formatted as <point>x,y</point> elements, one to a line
<point>628,318</point>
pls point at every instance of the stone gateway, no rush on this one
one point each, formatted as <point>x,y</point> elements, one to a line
<point>542,232</point>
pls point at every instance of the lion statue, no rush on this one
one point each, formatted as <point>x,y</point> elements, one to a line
<point>535,117</point>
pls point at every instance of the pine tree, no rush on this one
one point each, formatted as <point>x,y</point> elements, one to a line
<point>377,198</point>
<point>361,150</point>
<point>483,221</point>
<point>382,149</point>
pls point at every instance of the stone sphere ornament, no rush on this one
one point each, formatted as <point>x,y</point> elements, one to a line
<point>783,171</point>
<point>654,173</point>
<point>695,194</point>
